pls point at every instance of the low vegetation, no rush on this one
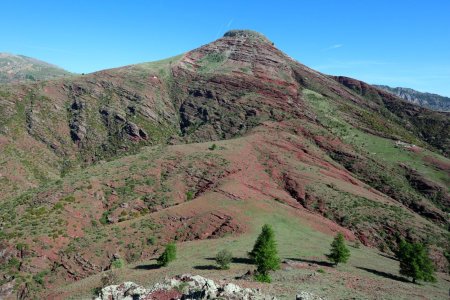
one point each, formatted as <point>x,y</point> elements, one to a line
<point>223,259</point>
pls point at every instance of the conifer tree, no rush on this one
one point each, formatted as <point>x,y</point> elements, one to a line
<point>339,252</point>
<point>169,254</point>
<point>414,262</point>
<point>265,254</point>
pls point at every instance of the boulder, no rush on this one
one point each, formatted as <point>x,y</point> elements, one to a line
<point>303,295</point>
<point>184,287</point>
<point>125,291</point>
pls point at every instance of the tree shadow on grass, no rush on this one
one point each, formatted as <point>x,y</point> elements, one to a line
<point>311,261</point>
<point>236,260</point>
<point>206,267</point>
<point>147,267</point>
<point>388,256</point>
<point>384,274</point>
<point>242,260</point>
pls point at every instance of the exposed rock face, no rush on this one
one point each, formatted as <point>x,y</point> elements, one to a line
<point>232,88</point>
<point>427,187</point>
<point>428,100</point>
<point>183,287</point>
<point>433,126</point>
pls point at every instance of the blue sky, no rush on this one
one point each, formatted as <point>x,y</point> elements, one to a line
<point>399,43</point>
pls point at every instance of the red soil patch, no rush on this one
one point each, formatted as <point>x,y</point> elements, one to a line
<point>164,295</point>
<point>437,163</point>
<point>415,149</point>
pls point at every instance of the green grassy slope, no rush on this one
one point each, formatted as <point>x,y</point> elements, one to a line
<point>368,275</point>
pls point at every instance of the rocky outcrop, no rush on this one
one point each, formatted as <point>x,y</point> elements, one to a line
<point>428,100</point>
<point>431,126</point>
<point>233,85</point>
<point>307,296</point>
<point>185,287</point>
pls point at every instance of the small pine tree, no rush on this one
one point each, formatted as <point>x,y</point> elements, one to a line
<point>223,259</point>
<point>414,261</point>
<point>265,254</point>
<point>339,253</point>
<point>169,254</point>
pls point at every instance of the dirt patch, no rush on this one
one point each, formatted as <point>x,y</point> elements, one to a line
<point>437,163</point>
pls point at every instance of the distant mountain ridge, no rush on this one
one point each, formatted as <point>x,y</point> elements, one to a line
<point>428,100</point>
<point>20,68</point>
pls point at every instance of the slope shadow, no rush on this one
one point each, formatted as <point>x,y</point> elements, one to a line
<point>311,261</point>
<point>147,267</point>
<point>206,267</point>
<point>384,274</point>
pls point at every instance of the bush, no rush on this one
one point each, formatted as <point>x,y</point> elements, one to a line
<point>40,277</point>
<point>118,263</point>
<point>265,254</point>
<point>151,240</point>
<point>223,259</point>
<point>339,253</point>
<point>263,278</point>
<point>104,219</point>
<point>189,195</point>
<point>169,254</point>
<point>213,147</point>
<point>414,262</point>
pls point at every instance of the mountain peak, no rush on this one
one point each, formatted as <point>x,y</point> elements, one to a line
<point>245,33</point>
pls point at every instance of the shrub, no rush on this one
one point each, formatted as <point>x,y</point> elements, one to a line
<point>339,253</point>
<point>189,195</point>
<point>263,278</point>
<point>414,262</point>
<point>58,206</point>
<point>13,263</point>
<point>212,147</point>
<point>40,277</point>
<point>223,259</point>
<point>169,254</point>
<point>265,254</point>
<point>151,240</point>
<point>104,219</point>
<point>70,198</point>
<point>118,263</point>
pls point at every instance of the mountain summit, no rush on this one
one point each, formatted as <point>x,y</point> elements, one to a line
<point>105,169</point>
